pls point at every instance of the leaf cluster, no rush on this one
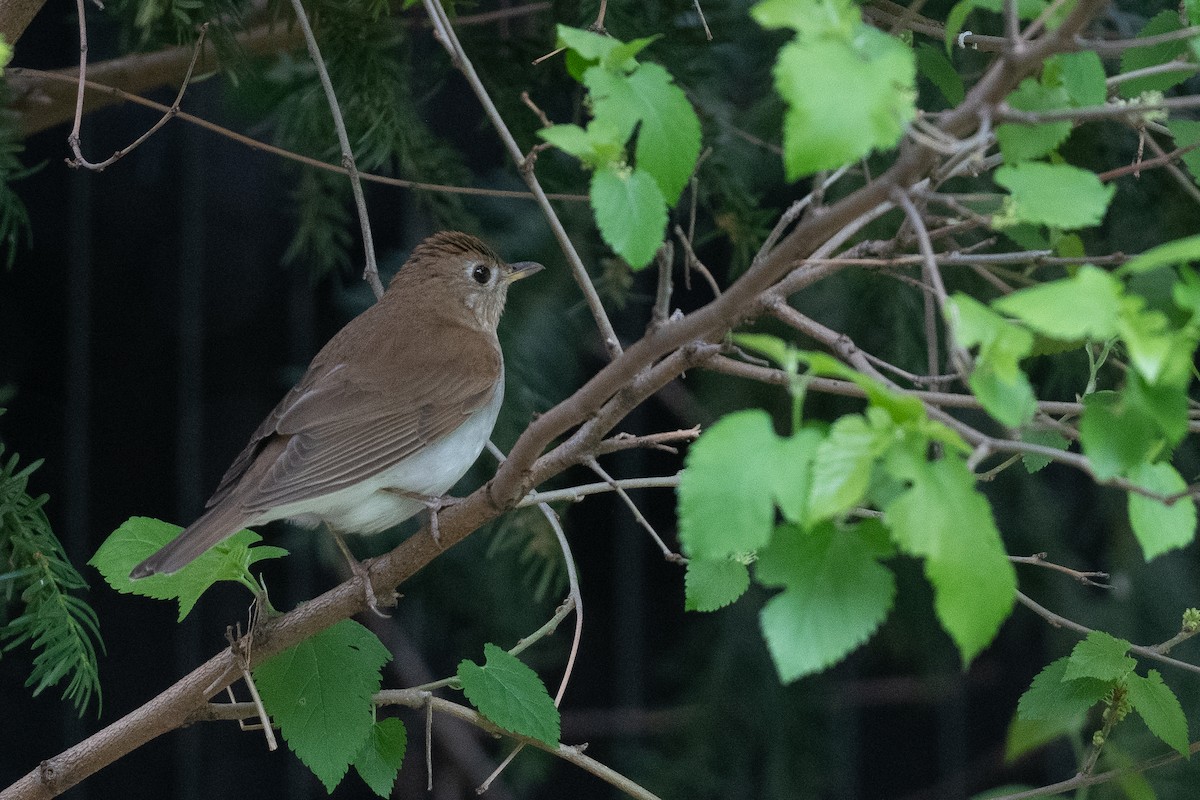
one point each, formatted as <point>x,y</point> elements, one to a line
<point>740,475</point>
<point>1099,670</point>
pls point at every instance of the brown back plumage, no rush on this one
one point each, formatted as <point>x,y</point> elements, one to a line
<point>407,371</point>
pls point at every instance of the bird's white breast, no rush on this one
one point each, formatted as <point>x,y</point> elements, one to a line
<point>368,506</point>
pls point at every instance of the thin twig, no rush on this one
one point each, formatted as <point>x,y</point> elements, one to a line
<point>576,493</point>
<point>595,467</point>
<point>449,40</point>
<point>74,138</point>
<point>259,145</point>
<point>371,271</point>
<point>1086,578</point>
<point>1060,621</point>
<point>574,601</point>
<point>958,354</point>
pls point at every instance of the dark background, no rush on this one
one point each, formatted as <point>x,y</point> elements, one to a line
<point>149,328</point>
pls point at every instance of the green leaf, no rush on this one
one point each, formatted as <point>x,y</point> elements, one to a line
<point>1159,352</point>
<point>1141,57</point>
<point>842,466</point>
<point>1083,78</point>
<point>1100,656</point>
<point>1186,132</point>
<point>511,695</point>
<point>782,354</point>
<point>1157,526</point>
<point>997,380</point>
<point>844,100</point>
<point>1164,404</point>
<point>791,481</point>
<point>1027,735</point>
<point>320,694</point>
<point>621,57</point>
<point>900,407</point>
<point>726,505</point>
<point>140,537</point>
<point>1034,463</point>
<point>668,139</point>
<point>1159,708</point>
<point>1025,142</point>
<point>379,761</point>
<point>938,70</point>
<point>1085,306</point>
<point>1052,697</point>
<point>945,520</point>
<point>713,584</point>
<point>1058,195</point>
<point>809,18</point>
<point>589,45</point>
<point>1114,435</point>
<point>836,595</point>
<point>630,212</point>
<point>1179,251</point>
<point>570,139</point>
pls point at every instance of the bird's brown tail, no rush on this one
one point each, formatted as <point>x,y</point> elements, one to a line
<point>215,525</point>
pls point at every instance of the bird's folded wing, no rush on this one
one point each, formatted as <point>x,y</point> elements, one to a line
<point>342,428</point>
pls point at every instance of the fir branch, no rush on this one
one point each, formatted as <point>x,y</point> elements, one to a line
<point>61,629</point>
<point>14,219</point>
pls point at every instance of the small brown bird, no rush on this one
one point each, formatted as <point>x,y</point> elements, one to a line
<point>390,414</point>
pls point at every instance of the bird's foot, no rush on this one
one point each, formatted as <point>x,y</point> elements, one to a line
<point>432,502</point>
<point>363,575</point>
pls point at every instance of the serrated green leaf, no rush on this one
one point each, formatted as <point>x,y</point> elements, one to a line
<point>844,99</point>
<point>1164,404</point>
<point>1083,78</point>
<point>668,139</point>
<point>836,595</point>
<point>140,537</point>
<point>1141,57</point>
<point>1115,436</point>
<point>809,18</point>
<point>1046,438</point>
<point>1057,195</point>
<point>589,45</point>
<point>1025,142</point>
<point>726,504</point>
<point>320,694</point>
<point>1186,132</point>
<point>943,519</point>
<point>621,57</point>
<point>997,380</point>
<point>1159,527</point>
<point>570,139</point>
<point>1084,306</point>
<point>791,480</point>
<point>842,467</point>
<point>1050,697</point>
<point>511,695</point>
<point>713,584</point>
<point>1159,708</point>
<point>938,70</point>
<point>379,761</point>
<point>1027,735</point>
<point>772,347</point>
<point>900,407</point>
<point>1148,336</point>
<point>1100,656</point>
<point>630,213</point>
<point>1179,251</point>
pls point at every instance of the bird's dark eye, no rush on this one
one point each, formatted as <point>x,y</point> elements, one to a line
<point>481,274</point>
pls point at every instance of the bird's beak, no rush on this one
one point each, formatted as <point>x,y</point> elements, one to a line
<point>523,269</point>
